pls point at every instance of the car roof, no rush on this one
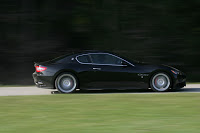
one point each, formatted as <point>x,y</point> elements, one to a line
<point>92,51</point>
<point>75,53</point>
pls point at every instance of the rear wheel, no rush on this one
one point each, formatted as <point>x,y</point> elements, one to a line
<point>160,82</point>
<point>66,83</point>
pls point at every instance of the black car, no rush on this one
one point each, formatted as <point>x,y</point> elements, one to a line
<point>104,70</point>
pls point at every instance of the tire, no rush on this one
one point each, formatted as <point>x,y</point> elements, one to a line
<point>66,83</point>
<point>160,82</point>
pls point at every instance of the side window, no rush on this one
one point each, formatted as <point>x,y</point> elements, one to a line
<point>105,59</point>
<point>84,59</point>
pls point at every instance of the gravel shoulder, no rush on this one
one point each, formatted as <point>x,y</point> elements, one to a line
<point>32,90</point>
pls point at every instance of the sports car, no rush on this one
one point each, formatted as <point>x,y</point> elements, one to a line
<point>104,70</point>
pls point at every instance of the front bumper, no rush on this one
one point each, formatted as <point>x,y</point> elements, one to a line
<point>180,81</point>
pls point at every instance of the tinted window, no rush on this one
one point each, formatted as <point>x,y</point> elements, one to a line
<point>105,59</point>
<point>84,59</point>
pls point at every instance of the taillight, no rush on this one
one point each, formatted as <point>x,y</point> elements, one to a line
<point>40,68</point>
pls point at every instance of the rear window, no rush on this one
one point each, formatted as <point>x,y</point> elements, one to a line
<point>83,59</point>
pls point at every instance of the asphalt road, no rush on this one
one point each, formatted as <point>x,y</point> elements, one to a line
<point>32,90</point>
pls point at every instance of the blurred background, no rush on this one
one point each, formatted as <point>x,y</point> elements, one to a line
<point>163,32</point>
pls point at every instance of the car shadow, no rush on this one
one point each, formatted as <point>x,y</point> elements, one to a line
<point>98,91</point>
<point>109,91</point>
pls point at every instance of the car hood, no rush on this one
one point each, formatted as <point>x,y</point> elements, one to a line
<point>171,67</point>
<point>157,66</point>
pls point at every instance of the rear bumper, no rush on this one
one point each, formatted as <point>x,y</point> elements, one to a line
<point>43,81</point>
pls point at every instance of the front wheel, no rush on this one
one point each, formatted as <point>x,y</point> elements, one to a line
<point>160,82</point>
<point>66,83</point>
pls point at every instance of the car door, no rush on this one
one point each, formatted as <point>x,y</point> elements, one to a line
<point>110,71</point>
<point>84,69</point>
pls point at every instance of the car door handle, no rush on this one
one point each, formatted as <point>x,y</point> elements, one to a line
<point>96,69</point>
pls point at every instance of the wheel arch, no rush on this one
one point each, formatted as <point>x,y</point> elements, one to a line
<point>66,71</point>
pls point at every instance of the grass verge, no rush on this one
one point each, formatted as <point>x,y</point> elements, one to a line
<point>107,113</point>
<point>193,82</point>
